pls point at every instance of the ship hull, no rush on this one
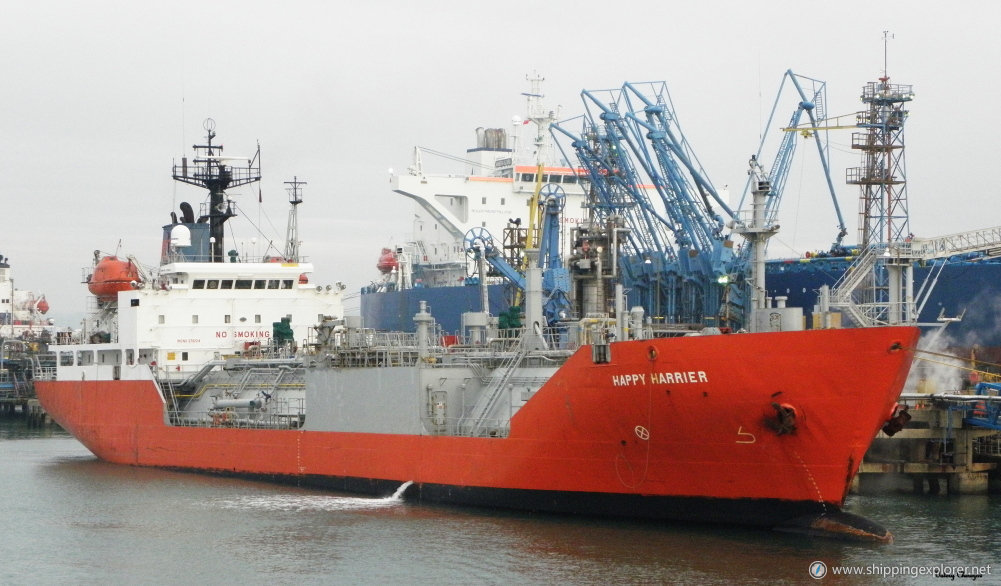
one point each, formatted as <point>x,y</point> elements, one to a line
<point>683,428</point>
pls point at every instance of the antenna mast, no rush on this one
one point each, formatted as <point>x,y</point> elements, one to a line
<point>212,171</point>
<point>292,234</point>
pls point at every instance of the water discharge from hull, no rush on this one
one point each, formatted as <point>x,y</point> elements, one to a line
<point>297,503</point>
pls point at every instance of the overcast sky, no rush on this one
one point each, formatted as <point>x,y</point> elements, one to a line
<point>98,98</point>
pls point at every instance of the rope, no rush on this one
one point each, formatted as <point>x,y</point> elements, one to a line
<point>973,360</point>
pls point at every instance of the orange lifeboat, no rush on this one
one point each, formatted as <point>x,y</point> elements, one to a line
<point>42,306</point>
<point>110,276</point>
<point>387,261</point>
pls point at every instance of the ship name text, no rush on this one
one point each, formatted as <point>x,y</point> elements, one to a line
<point>661,378</point>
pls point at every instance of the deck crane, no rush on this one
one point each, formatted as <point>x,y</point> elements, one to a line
<point>811,104</point>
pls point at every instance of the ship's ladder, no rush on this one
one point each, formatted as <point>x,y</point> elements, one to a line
<point>476,422</point>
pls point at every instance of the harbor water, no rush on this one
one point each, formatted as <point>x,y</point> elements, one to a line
<point>71,518</point>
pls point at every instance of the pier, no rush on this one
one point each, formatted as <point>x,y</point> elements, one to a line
<point>951,443</point>
<point>25,407</point>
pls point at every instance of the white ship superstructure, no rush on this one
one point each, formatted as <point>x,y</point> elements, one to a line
<point>505,171</point>
<point>203,303</point>
<point>21,312</point>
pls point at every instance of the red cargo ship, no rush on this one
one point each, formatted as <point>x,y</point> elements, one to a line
<point>598,416</point>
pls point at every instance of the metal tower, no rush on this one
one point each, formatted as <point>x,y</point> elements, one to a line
<point>212,171</point>
<point>886,293</point>
<point>292,234</point>
<point>883,214</point>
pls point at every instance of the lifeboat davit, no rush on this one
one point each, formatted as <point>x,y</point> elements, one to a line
<point>387,261</point>
<point>112,275</point>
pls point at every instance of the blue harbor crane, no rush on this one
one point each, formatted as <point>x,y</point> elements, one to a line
<point>676,258</point>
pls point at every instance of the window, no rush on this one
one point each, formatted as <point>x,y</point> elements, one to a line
<point>502,201</point>
<point>260,284</point>
<point>484,201</point>
<point>286,283</point>
<point>160,319</point>
<point>194,319</point>
<point>133,303</point>
<point>184,355</point>
<point>273,284</point>
<point>227,318</point>
<point>244,284</point>
<point>212,284</point>
<point>226,284</point>
<point>198,284</point>
<point>65,359</point>
<point>257,318</point>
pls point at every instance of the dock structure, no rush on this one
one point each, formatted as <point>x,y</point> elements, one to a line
<point>25,407</point>
<point>20,364</point>
<point>951,443</point>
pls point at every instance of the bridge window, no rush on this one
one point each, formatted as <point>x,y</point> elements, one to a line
<point>65,359</point>
<point>198,284</point>
<point>260,284</point>
<point>286,283</point>
<point>226,284</point>
<point>212,284</point>
<point>244,284</point>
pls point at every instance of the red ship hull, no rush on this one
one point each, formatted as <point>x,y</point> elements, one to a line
<point>681,428</point>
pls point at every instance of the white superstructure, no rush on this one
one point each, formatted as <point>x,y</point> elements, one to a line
<point>203,303</point>
<point>496,193</point>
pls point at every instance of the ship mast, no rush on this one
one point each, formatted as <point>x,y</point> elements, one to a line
<point>212,171</point>
<point>292,234</point>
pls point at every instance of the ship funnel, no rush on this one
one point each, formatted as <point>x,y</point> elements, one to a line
<point>187,213</point>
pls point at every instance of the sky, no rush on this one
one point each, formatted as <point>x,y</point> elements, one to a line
<point>99,99</point>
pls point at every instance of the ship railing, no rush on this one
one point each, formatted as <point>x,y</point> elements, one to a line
<point>453,426</point>
<point>989,446</point>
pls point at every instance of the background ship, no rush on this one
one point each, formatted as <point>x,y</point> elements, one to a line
<point>957,276</point>
<point>22,313</point>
